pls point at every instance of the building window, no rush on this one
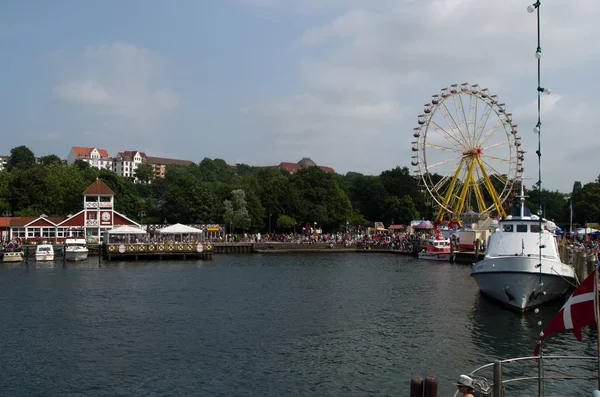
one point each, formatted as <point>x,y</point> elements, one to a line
<point>92,216</point>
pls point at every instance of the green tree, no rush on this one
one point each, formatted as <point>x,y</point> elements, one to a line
<point>285,222</point>
<point>82,165</point>
<point>235,211</point>
<point>51,158</point>
<point>144,172</point>
<point>21,157</point>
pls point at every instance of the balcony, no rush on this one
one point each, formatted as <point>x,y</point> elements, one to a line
<point>92,222</point>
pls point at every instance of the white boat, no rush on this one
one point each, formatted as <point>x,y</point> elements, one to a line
<point>438,249</point>
<point>44,252</point>
<point>76,249</point>
<point>510,271</point>
<point>12,257</point>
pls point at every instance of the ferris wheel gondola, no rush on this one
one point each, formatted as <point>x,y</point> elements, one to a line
<point>466,151</point>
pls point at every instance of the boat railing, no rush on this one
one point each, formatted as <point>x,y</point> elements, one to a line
<point>491,379</point>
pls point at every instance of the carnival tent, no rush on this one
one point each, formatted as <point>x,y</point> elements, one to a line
<point>421,224</point>
<point>126,230</point>
<point>178,228</point>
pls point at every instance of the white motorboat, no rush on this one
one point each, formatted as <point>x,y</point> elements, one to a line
<point>12,256</point>
<point>76,249</point>
<point>438,249</point>
<point>44,253</point>
<point>511,273</point>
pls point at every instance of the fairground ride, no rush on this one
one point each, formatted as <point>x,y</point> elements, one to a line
<point>466,152</point>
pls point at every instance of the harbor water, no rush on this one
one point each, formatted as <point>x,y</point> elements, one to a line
<point>257,325</point>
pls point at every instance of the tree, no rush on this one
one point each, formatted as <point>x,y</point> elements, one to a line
<point>144,172</point>
<point>21,157</point>
<point>236,213</point>
<point>51,158</point>
<point>285,222</point>
<point>82,165</point>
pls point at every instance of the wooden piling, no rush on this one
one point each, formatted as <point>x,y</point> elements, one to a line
<point>430,389</point>
<point>416,386</point>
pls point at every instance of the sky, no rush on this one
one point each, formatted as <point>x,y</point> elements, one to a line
<point>265,81</point>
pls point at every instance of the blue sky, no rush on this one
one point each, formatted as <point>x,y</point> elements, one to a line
<point>265,81</point>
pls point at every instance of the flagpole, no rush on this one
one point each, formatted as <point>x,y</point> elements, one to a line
<point>597,310</point>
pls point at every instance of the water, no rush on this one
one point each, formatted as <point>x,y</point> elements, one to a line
<point>254,325</point>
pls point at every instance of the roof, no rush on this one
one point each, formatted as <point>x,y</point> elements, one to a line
<point>289,166</point>
<point>98,187</point>
<point>178,228</point>
<point>4,221</point>
<point>128,155</point>
<point>87,150</point>
<point>165,161</point>
<point>19,221</point>
<point>327,169</point>
<point>306,162</point>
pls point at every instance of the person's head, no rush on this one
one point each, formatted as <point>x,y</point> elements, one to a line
<point>465,384</point>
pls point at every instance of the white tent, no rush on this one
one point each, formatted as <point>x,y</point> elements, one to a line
<point>178,228</point>
<point>584,230</point>
<point>126,230</point>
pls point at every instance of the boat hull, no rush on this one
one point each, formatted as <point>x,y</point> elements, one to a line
<point>435,256</point>
<point>12,257</point>
<point>515,280</point>
<point>75,256</point>
<point>44,257</point>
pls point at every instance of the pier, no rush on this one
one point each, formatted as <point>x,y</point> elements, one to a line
<point>158,251</point>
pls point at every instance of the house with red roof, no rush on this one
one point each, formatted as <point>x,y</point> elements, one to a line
<point>125,163</point>
<point>96,217</point>
<point>95,157</point>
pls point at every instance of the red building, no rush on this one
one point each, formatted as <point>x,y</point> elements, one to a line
<point>98,215</point>
<point>295,167</point>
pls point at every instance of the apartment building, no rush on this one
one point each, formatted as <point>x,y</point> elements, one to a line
<point>160,164</point>
<point>125,163</point>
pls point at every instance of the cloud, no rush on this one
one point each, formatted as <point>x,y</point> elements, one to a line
<point>119,81</point>
<point>366,71</point>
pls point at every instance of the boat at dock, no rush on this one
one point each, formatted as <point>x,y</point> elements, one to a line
<point>12,257</point>
<point>76,249</point>
<point>44,253</point>
<point>512,268</point>
<point>438,249</point>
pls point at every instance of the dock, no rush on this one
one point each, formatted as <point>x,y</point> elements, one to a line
<point>160,251</point>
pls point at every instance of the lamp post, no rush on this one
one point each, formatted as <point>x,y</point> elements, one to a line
<point>142,214</point>
<point>347,226</point>
<point>294,226</point>
<point>269,223</point>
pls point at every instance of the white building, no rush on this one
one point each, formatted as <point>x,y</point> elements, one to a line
<point>3,162</point>
<point>95,157</point>
<point>125,163</point>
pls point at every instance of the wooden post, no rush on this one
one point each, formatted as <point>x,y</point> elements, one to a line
<point>430,389</point>
<point>416,386</point>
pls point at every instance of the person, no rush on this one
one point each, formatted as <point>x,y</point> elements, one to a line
<point>465,386</point>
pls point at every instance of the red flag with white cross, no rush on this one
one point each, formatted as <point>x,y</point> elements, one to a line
<point>579,311</point>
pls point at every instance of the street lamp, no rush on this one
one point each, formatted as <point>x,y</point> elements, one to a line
<point>294,226</point>
<point>269,223</point>
<point>142,214</point>
<point>347,226</point>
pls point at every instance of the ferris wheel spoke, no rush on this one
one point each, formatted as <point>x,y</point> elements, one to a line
<point>472,121</point>
<point>433,145</point>
<point>497,159</point>
<point>461,115</point>
<point>447,135</point>
<point>444,162</point>
<point>489,134</point>
<point>450,120</point>
<point>496,145</point>
<point>485,117</point>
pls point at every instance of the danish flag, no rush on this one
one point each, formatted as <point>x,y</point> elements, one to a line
<point>579,311</point>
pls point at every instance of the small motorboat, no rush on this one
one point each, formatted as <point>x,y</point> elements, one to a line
<point>76,249</point>
<point>44,253</point>
<point>12,257</point>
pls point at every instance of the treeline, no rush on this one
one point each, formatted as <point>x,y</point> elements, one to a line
<point>245,198</point>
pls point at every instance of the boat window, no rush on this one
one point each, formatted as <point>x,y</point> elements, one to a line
<point>521,228</point>
<point>507,228</point>
<point>534,228</point>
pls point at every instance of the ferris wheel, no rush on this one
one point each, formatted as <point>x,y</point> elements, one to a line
<point>466,151</point>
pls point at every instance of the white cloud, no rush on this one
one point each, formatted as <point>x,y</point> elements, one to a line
<point>367,71</point>
<point>119,81</point>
